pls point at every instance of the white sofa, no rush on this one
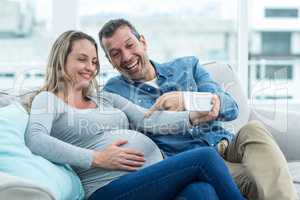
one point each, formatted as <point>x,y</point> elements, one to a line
<point>284,125</point>
<point>14,188</point>
<point>17,188</point>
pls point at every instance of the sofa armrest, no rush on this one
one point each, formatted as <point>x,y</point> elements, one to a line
<point>284,126</point>
<point>15,188</point>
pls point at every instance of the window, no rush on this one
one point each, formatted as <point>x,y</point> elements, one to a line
<point>288,13</point>
<point>25,38</point>
<point>274,51</point>
<point>279,72</point>
<point>274,72</point>
<point>276,43</point>
<point>7,75</point>
<point>206,29</point>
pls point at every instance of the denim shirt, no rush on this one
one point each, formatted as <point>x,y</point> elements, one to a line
<point>181,74</point>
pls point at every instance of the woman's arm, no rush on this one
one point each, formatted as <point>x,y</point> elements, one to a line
<point>38,135</point>
<point>44,112</point>
<point>160,122</point>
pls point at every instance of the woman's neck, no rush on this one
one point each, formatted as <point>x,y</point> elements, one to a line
<point>72,96</point>
<point>76,99</point>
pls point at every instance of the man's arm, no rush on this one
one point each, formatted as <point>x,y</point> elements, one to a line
<point>223,106</point>
<point>175,101</point>
<point>228,108</point>
<point>161,122</point>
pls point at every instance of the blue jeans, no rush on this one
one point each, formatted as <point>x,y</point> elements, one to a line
<point>173,178</point>
<point>198,191</point>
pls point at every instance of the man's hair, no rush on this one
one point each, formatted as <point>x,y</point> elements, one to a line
<point>110,27</point>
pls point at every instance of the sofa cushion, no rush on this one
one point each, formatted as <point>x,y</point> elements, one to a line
<point>228,80</point>
<point>16,188</point>
<point>16,159</point>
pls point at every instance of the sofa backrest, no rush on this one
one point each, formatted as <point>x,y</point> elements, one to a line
<point>23,96</point>
<point>224,75</point>
<point>5,99</point>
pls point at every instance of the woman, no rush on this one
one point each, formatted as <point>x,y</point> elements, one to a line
<point>69,126</point>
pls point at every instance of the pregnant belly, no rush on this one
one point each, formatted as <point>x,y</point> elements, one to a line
<point>136,141</point>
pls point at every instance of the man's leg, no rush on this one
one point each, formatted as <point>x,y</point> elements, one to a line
<point>243,180</point>
<point>262,161</point>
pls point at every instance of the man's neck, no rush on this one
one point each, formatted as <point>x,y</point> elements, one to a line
<point>151,73</point>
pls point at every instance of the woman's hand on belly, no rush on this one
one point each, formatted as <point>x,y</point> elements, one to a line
<point>115,157</point>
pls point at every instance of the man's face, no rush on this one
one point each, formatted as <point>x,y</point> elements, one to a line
<point>128,54</point>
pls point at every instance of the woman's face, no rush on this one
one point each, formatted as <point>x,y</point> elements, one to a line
<point>81,64</point>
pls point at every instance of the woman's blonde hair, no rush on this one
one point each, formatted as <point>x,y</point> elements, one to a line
<point>56,79</point>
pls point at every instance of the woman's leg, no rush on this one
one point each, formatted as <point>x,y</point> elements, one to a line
<point>166,179</point>
<point>198,191</point>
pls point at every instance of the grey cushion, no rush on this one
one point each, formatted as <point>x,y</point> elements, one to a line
<point>6,99</point>
<point>24,96</point>
<point>223,74</point>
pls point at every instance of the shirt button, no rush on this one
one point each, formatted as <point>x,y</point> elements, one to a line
<point>139,100</point>
<point>192,135</point>
<point>148,89</point>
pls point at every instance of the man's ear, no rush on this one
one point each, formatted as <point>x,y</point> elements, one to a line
<point>108,58</point>
<point>105,50</point>
<point>143,41</point>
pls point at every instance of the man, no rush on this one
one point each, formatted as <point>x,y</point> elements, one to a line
<point>253,157</point>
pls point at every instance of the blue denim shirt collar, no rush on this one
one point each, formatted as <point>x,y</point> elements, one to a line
<point>162,71</point>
